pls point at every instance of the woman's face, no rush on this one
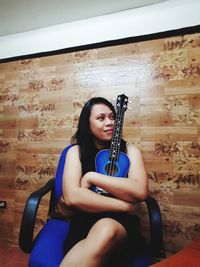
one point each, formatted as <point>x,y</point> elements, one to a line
<point>101,123</point>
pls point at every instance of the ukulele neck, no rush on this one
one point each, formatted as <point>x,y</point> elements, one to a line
<point>116,138</point>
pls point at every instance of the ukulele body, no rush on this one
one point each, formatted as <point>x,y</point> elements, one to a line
<point>106,166</point>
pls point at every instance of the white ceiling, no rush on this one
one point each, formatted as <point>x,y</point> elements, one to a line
<point>24,15</point>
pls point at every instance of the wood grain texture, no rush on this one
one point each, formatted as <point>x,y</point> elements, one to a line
<point>40,103</point>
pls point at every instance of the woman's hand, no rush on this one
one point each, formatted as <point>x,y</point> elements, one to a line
<point>86,180</point>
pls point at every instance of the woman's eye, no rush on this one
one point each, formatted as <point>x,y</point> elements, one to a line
<point>100,118</point>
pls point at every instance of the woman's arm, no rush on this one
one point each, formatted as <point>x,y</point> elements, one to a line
<point>135,188</point>
<point>83,198</point>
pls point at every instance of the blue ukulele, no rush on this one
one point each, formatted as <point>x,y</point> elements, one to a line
<point>112,161</point>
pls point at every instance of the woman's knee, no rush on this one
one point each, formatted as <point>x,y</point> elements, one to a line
<point>107,234</point>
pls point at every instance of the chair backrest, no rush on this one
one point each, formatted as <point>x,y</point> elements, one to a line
<point>59,173</point>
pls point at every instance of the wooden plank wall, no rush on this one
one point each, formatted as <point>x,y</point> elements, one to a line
<point>40,103</point>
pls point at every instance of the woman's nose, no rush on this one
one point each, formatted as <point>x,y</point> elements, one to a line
<point>109,121</point>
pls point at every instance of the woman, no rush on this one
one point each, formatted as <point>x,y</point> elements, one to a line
<point>102,226</point>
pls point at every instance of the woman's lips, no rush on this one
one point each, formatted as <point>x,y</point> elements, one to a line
<point>109,131</point>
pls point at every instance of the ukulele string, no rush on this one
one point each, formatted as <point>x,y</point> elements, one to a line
<point>112,145</point>
<point>111,166</point>
<point>116,140</point>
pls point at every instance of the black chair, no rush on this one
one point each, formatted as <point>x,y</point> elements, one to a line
<point>46,249</point>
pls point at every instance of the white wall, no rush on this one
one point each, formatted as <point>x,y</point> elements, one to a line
<point>165,16</point>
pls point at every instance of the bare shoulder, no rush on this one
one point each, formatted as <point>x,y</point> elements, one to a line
<point>72,170</point>
<point>73,158</point>
<point>74,148</point>
<point>136,158</point>
<point>131,148</point>
<point>73,152</point>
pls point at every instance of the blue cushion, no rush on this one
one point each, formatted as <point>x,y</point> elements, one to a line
<point>142,259</point>
<point>48,248</point>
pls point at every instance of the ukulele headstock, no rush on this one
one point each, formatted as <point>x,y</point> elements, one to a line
<point>121,103</point>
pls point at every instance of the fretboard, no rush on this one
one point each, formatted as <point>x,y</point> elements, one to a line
<point>116,138</point>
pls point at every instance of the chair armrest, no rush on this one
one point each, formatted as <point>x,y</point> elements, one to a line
<point>29,216</point>
<point>156,226</point>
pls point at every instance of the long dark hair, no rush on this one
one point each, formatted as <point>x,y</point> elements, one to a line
<point>84,137</point>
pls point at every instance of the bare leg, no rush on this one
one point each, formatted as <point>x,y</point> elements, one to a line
<point>106,236</point>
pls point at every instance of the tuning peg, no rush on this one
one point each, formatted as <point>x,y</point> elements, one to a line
<point>130,102</point>
<point>129,108</point>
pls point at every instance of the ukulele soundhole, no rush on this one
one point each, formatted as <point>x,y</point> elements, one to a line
<point>111,169</point>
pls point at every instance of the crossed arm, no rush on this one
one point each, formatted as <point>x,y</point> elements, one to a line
<point>76,190</point>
